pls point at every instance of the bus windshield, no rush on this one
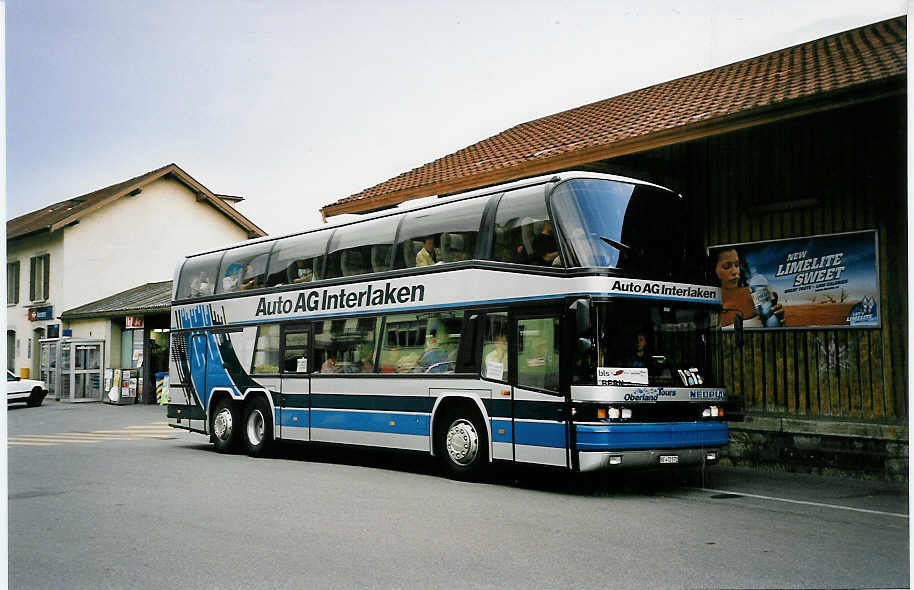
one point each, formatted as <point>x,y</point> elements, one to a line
<point>606,223</point>
<point>657,344</point>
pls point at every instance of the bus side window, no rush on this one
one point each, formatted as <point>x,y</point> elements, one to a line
<point>421,343</point>
<point>243,268</point>
<point>345,346</point>
<point>520,229</point>
<point>495,363</point>
<point>266,350</point>
<point>538,353</point>
<point>454,229</point>
<point>362,248</point>
<point>297,259</point>
<point>198,276</point>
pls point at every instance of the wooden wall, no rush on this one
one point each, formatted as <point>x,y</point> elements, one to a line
<point>842,170</point>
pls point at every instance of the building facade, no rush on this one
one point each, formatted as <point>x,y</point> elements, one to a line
<point>93,246</point>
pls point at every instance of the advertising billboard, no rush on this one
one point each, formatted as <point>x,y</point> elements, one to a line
<point>827,281</point>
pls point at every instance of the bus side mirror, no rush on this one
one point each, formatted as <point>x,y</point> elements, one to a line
<point>583,325</point>
<point>737,325</point>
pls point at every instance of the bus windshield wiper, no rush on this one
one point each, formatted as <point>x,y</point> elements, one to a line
<point>617,245</point>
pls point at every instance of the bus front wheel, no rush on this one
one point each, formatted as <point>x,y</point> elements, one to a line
<point>461,445</point>
<point>258,427</point>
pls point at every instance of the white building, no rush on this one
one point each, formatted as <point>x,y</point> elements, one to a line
<point>87,248</point>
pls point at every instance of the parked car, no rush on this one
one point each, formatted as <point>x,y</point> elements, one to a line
<point>30,391</point>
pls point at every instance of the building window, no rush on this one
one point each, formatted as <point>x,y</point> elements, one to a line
<point>39,288</point>
<point>12,282</point>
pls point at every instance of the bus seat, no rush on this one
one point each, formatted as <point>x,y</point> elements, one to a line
<point>380,257</point>
<point>410,248</point>
<point>527,234</point>
<point>452,247</point>
<point>351,263</point>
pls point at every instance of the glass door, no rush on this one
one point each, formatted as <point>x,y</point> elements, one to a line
<point>295,403</point>
<point>540,427</point>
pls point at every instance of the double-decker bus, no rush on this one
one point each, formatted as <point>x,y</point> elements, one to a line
<point>552,321</point>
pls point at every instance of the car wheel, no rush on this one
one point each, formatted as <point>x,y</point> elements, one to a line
<point>225,426</point>
<point>35,398</point>
<point>258,427</point>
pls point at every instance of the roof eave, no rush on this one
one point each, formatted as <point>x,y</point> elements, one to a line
<point>67,315</point>
<point>860,93</point>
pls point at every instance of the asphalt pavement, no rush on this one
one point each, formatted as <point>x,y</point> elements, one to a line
<point>109,497</point>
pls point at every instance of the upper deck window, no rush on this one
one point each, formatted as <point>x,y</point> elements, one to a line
<point>606,223</point>
<point>361,248</point>
<point>198,276</point>
<point>446,234</point>
<point>297,259</point>
<point>243,268</point>
<point>523,232</point>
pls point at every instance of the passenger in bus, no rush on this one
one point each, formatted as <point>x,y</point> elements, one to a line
<point>640,356</point>
<point>329,365</point>
<point>545,249</point>
<point>299,272</point>
<point>497,359</point>
<point>433,360</point>
<point>426,254</point>
<point>249,278</point>
<point>200,286</point>
<point>232,278</point>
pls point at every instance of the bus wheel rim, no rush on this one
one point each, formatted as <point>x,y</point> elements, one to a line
<point>255,427</point>
<point>462,442</point>
<point>222,424</point>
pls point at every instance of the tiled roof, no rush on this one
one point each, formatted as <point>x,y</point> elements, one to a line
<point>148,298</point>
<point>827,69</point>
<point>59,214</point>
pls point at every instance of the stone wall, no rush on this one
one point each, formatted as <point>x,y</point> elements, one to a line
<point>863,450</point>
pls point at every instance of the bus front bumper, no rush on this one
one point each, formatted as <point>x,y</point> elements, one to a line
<point>609,446</point>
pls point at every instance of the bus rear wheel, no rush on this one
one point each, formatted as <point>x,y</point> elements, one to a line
<point>461,446</point>
<point>258,428</point>
<point>225,426</point>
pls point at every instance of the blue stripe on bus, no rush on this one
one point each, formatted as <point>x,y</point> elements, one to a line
<point>617,437</point>
<point>502,425</point>
<point>556,297</point>
<point>416,424</point>
<point>539,434</point>
<point>296,418</point>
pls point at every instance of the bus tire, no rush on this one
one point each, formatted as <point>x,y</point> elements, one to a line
<point>461,444</point>
<point>258,427</point>
<point>225,426</point>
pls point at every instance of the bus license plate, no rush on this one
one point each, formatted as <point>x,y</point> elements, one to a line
<point>669,459</point>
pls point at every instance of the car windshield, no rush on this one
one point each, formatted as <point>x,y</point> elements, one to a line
<point>637,228</point>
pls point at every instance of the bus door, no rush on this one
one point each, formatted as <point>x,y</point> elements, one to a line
<point>196,389</point>
<point>295,383</point>
<point>540,427</point>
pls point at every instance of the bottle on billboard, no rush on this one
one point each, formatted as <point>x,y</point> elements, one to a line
<point>764,302</point>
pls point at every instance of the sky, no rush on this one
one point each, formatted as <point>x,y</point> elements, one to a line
<point>295,104</point>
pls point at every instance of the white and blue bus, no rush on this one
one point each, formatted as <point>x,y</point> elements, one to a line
<point>550,321</point>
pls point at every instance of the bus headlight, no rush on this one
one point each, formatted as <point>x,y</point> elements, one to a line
<point>712,412</point>
<point>626,413</point>
<point>613,413</point>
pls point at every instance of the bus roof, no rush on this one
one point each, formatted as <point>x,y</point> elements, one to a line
<point>433,201</point>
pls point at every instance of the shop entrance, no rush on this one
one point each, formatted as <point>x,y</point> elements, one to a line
<point>72,368</point>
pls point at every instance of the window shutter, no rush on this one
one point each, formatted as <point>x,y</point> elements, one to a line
<point>47,276</point>
<point>32,262</point>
